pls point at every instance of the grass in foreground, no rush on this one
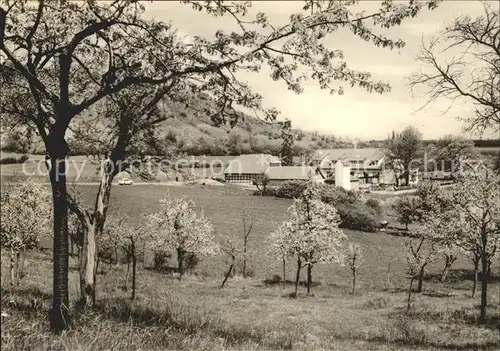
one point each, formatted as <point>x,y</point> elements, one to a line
<point>195,314</point>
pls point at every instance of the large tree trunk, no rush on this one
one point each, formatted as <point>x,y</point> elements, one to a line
<point>59,316</point>
<point>89,269</point>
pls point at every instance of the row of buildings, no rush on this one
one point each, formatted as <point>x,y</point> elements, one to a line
<point>348,168</point>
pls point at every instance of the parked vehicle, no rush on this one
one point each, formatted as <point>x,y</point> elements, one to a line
<point>125,181</point>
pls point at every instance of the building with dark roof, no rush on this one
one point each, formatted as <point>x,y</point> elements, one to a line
<point>249,168</point>
<point>278,175</point>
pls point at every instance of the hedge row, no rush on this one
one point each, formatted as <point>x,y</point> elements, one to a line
<point>13,160</point>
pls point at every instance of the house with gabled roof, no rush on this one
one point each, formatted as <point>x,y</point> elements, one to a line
<point>249,168</point>
<point>367,164</point>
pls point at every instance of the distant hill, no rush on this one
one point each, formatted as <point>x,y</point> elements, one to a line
<point>193,132</point>
<point>196,134</point>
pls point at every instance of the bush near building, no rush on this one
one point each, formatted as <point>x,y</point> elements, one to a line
<point>354,213</point>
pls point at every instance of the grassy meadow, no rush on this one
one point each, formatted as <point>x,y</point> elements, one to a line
<point>254,313</point>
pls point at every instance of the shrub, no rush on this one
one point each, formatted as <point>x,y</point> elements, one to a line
<point>337,195</point>
<point>290,189</point>
<point>13,160</point>
<point>161,258</point>
<point>357,216</point>
<point>375,206</point>
<point>190,261</point>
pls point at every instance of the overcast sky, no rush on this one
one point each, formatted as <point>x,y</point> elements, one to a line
<point>357,113</point>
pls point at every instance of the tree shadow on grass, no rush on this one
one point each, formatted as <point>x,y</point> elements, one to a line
<point>435,293</point>
<point>404,342</point>
<point>277,281</point>
<point>462,316</point>
<point>458,276</point>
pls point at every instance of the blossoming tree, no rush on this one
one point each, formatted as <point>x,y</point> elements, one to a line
<point>477,208</point>
<point>311,232</point>
<point>25,219</point>
<point>178,227</point>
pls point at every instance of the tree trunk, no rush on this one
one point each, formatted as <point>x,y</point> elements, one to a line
<point>445,272</point>
<point>180,262</point>
<point>117,260</point>
<point>59,316</point>
<point>284,273</point>
<point>89,269</point>
<point>23,259</point>
<point>244,257</point>
<point>448,262</point>
<point>476,274</point>
<point>420,279</point>
<point>13,274</point>
<point>407,177</point>
<point>71,246</point>
<point>484,284</point>
<point>409,295</point>
<point>354,280</point>
<point>18,268</point>
<point>228,272</point>
<point>309,277</point>
<point>297,276</point>
<point>134,266</point>
<point>128,273</point>
<point>81,271</point>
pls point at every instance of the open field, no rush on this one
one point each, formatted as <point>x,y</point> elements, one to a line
<point>253,313</point>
